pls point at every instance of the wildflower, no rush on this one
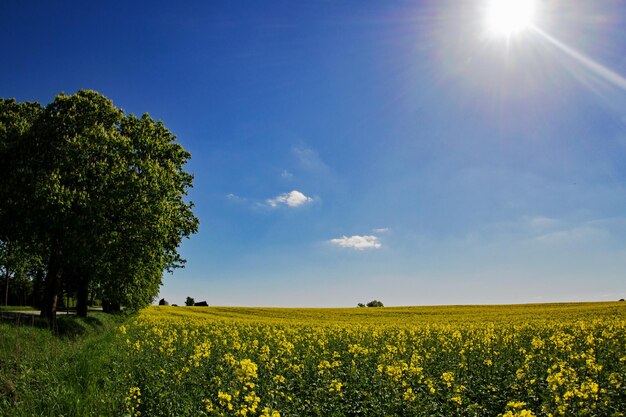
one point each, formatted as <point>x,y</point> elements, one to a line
<point>225,399</point>
<point>409,395</point>
<point>448,378</point>
<point>537,343</point>
<point>335,386</point>
<point>133,401</point>
<point>267,412</point>
<point>208,405</point>
<point>247,370</point>
<point>279,379</point>
<point>515,404</point>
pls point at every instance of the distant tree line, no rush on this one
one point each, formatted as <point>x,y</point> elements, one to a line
<point>92,203</point>
<point>373,303</point>
<point>189,302</point>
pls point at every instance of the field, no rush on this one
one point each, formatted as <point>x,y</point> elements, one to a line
<point>527,360</point>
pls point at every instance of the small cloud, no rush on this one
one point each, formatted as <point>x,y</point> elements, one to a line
<point>542,223</point>
<point>357,242</point>
<point>236,198</point>
<point>580,234</point>
<point>292,199</point>
<point>382,230</point>
<point>309,159</point>
<point>286,175</point>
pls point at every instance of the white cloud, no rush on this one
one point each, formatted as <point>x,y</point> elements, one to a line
<point>286,175</point>
<point>309,159</point>
<point>236,198</point>
<point>381,230</point>
<point>357,242</point>
<point>542,223</point>
<point>580,234</point>
<point>292,199</point>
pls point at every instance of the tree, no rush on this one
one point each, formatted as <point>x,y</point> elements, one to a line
<point>163,302</point>
<point>100,191</point>
<point>375,303</point>
<point>360,305</point>
<point>18,270</point>
<point>189,302</point>
<point>20,252</point>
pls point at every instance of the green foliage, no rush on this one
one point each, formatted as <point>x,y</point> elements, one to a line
<point>18,271</point>
<point>375,303</point>
<point>190,302</point>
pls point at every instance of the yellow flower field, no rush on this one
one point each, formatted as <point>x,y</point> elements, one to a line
<point>526,360</point>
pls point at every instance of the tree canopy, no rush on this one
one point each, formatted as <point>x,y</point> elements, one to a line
<point>97,194</point>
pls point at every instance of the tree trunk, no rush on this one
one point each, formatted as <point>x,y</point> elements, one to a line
<point>82,297</point>
<point>110,306</point>
<point>52,286</point>
<point>36,296</point>
<point>7,275</point>
<point>6,294</point>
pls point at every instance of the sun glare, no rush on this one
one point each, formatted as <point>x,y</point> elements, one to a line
<point>506,17</point>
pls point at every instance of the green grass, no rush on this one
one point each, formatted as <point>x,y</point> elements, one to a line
<point>75,370</point>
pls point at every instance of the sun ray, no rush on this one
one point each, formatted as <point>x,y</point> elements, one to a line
<point>597,68</point>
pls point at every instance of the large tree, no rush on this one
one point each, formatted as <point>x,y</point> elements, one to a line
<point>104,195</point>
<point>19,249</point>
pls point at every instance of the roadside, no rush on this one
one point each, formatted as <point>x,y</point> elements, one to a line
<point>29,311</point>
<point>76,370</point>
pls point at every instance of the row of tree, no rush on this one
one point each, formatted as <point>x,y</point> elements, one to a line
<point>373,303</point>
<point>189,302</point>
<point>92,201</point>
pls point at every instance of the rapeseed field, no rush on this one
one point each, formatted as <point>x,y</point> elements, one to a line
<point>526,360</point>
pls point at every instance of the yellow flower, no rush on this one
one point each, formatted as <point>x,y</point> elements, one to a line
<point>247,370</point>
<point>335,386</point>
<point>267,412</point>
<point>409,395</point>
<point>279,379</point>
<point>208,405</point>
<point>225,399</point>
<point>516,404</point>
<point>133,401</point>
<point>448,378</point>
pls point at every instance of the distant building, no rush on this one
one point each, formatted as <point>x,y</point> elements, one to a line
<point>201,304</point>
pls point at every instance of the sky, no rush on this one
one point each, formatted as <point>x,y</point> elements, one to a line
<point>345,151</point>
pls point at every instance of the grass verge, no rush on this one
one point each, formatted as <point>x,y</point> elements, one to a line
<point>75,370</point>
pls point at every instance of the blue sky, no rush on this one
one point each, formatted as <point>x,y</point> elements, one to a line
<point>345,151</point>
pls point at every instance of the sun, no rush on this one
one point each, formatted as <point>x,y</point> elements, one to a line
<point>507,17</point>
